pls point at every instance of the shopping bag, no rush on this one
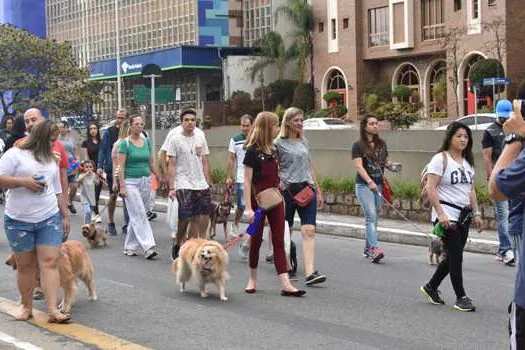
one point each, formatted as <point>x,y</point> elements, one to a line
<point>172,219</point>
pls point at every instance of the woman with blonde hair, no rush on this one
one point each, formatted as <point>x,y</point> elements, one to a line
<point>297,176</point>
<point>261,175</point>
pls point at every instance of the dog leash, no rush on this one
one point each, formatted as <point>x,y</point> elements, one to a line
<point>231,242</point>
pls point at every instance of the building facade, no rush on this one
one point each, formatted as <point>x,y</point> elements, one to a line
<point>184,37</point>
<point>360,44</point>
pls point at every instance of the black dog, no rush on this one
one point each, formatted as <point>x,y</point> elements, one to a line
<point>436,251</point>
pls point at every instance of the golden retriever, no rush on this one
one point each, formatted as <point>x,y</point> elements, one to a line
<point>74,263</point>
<point>95,236</point>
<point>204,260</point>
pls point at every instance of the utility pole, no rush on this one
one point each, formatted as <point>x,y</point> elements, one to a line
<point>117,39</point>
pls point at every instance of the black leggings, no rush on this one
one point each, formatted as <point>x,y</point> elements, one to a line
<point>454,241</point>
<point>98,189</point>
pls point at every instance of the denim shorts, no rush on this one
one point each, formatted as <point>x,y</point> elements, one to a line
<point>308,214</point>
<point>239,192</point>
<point>25,237</point>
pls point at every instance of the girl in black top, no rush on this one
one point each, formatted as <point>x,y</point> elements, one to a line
<point>90,148</point>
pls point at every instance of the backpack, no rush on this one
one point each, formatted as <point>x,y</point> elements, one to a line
<point>424,201</point>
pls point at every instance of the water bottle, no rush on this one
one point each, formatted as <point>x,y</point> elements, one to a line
<point>40,177</point>
<point>258,217</point>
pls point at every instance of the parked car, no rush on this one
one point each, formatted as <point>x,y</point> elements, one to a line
<point>325,124</point>
<point>483,121</point>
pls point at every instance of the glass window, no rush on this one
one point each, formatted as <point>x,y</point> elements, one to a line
<point>432,19</point>
<point>378,27</point>
<point>334,29</point>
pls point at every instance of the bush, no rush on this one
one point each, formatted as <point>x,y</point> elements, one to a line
<point>336,112</point>
<point>382,90</point>
<point>488,68</point>
<point>333,96</point>
<point>408,190</point>
<point>218,176</point>
<point>438,115</point>
<point>439,93</point>
<point>283,92</point>
<point>402,92</point>
<point>401,115</point>
<point>482,194</point>
<point>279,110</point>
<point>371,102</point>
<point>342,185</point>
<point>303,97</point>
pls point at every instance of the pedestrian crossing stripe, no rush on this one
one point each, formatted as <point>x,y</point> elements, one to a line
<point>75,331</point>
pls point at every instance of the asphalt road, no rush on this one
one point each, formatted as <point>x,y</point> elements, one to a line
<point>361,306</point>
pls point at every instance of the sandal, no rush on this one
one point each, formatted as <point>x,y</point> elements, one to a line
<point>59,317</point>
<point>25,315</point>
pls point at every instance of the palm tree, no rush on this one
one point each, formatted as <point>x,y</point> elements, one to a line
<point>301,15</point>
<point>274,52</point>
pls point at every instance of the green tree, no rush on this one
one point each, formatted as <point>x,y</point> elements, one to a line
<point>42,73</point>
<point>273,52</point>
<point>301,15</point>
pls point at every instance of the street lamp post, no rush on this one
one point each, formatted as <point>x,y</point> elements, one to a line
<point>117,36</point>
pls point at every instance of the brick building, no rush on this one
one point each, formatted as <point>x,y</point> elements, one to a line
<point>360,43</point>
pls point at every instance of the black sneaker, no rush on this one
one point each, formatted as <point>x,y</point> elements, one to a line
<point>433,295</point>
<point>292,275</point>
<point>315,278</point>
<point>464,304</point>
<point>125,230</point>
<point>151,215</point>
<point>72,208</point>
<point>175,252</point>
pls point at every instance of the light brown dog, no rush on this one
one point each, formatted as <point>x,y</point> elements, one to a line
<point>220,216</point>
<point>74,263</point>
<point>95,236</point>
<point>204,260</point>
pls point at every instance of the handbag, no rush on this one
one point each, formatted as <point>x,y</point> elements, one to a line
<point>303,197</point>
<point>269,198</point>
<point>387,191</point>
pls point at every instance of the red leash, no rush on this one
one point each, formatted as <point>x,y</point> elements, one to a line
<point>230,243</point>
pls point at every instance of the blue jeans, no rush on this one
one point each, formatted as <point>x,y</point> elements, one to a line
<point>88,212</point>
<point>25,237</point>
<point>371,204</point>
<point>239,192</point>
<point>502,220</point>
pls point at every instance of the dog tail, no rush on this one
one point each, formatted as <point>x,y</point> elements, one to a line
<point>175,265</point>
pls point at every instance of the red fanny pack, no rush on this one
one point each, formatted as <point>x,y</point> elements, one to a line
<point>303,197</point>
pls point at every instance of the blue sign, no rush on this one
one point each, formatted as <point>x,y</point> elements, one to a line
<point>176,58</point>
<point>496,81</point>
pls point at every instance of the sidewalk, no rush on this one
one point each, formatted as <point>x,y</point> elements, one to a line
<point>394,231</point>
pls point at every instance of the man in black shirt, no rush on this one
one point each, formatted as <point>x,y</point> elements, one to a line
<point>105,164</point>
<point>492,143</point>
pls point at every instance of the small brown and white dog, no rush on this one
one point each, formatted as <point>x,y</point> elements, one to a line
<point>95,236</point>
<point>206,262</point>
<point>220,216</point>
<point>436,251</point>
<point>74,263</point>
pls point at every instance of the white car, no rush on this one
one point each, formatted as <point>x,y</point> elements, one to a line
<point>483,121</point>
<point>325,124</point>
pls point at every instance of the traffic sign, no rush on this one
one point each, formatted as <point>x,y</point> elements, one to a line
<point>496,81</point>
<point>163,94</point>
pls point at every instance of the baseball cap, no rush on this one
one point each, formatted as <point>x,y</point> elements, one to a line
<point>503,109</point>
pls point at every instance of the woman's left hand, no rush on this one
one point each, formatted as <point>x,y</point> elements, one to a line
<point>478,222</point>
<point>66,227</point>
<point>320,201</point>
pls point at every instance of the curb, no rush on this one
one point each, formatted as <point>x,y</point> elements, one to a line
<point>386,234</point>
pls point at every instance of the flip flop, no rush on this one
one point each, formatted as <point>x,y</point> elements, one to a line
<point>59,317</point>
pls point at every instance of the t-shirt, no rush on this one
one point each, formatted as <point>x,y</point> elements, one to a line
<point>373,165</point>
<point>58,147</point>
<point>511,182</point>
<point>92,150</point>
<point>254,159</point>
<point>494,138</point>
<point>21,203</point>
<point>137,158</point>
<point>177,131</point>
<point>455,186</point>
<point>294,161</point>
<point>87,189</point>
<point>516,211</point>
<point>237,147</point>
<point>188,152</point>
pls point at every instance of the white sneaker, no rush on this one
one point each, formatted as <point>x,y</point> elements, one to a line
<point>508,257</point>
<point>98,220</point>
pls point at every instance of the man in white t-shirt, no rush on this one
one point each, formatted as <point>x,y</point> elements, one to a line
<point>189,179</point>
<point>236,153</point>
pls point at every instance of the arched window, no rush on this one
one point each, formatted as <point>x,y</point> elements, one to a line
<point>438,75</point>
<point>336,81</point>
<point>407,75</point>
<point>469,108</point>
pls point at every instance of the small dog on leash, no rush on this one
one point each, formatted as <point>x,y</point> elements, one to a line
<point>206,262</point>
<point>436,252</point>
<point>95,236</point>
<point>74,264</point>
<point>220,216</point>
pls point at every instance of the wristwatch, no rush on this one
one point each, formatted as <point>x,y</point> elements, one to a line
<point>511,138</point>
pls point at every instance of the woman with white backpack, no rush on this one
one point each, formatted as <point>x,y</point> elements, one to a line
<point>450,189</point>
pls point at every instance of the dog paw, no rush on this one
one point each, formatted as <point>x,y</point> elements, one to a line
<point>182,288</point>
<point>224,298</point>
<point>93,297</point>
<point>204,295</point>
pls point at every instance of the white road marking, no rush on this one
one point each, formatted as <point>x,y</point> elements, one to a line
<point>6,338</point>
<point>118,283</point>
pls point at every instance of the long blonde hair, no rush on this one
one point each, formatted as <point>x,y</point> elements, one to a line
<point>289,114</point>
<point>39,141</point>
<point>261,134</point>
